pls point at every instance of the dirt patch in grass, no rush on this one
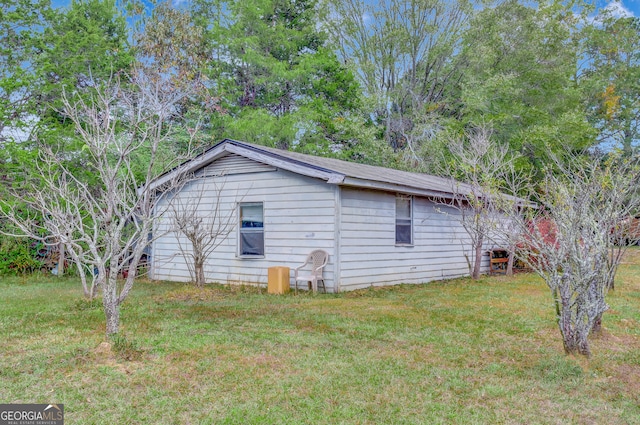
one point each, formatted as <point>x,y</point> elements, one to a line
<point>266,362</point>
<point>614,342</point>
<point>104,355</point>
<point>310,325</point>
<point>191,293</point>
<point>413,356</point>
<point>629,376</point>
<point>631,256</point>
<point>210,292</point>
<point>373,291</point>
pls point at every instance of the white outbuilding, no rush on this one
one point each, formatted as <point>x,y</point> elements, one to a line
<point>380,226</point>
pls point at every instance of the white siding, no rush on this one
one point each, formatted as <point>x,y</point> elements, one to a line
<point>299,214</point>
<point>369,255</point>
<point>302,214</point>
<point>233,164</point>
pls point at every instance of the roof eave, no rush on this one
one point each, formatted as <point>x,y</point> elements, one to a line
<point>282,163</point>
<point>247,151</point>
<point>189,166</point>
<point>391,187</point>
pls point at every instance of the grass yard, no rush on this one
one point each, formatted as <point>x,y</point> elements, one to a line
<point>485,352</point>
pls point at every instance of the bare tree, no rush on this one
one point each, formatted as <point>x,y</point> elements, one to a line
<point>204,226</point>
<point>38,212</point>
<point>405,54</point>
<point>103,214</point>
<point>489,185</point>
<point>574,239</point>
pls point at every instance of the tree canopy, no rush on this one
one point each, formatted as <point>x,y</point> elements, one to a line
<point>344,78</point>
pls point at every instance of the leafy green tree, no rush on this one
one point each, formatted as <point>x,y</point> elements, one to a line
<point>171,43</point>
<point>611,79</point>
<point>170,46</point>
<point>277,81</point>
<point>44,51</point>
<point>86,42</point>
<point>21,23</point>
<point>521,77</point>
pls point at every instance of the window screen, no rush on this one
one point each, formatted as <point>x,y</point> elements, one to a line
<point>251,238</point>
<point>404,231</point>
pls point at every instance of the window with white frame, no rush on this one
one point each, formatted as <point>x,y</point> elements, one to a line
<point>251,237</point>
<point>404,220</point>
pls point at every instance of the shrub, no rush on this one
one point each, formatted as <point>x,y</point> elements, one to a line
<point>18,256</point>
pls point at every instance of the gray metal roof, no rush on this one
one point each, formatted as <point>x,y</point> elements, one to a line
<point>355,173</point>
<point>333,171</point>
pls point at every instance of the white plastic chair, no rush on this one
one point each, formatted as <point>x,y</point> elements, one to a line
<point>318,259</point>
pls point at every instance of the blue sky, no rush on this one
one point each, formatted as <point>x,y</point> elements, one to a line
<point>627,7</point>
<point>633,6</point>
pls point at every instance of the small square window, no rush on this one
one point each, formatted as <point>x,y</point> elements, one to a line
<point>251,240</point>
<point>404,221</point>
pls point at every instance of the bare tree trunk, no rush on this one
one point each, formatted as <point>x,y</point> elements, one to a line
<point>111,307</point>
<point>93,291</point>
<point>61,259</point>
<point>478,260</point>
<point>573,318</point>
<point>199,271</point>
<point>575,344</point>
<point>89,292</point>
<point>510,262</point>
<point>112,314</point>
<point>573,340</point>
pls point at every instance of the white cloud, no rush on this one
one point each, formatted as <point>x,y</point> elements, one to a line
<point>618,10</point>
<point>613,9</point>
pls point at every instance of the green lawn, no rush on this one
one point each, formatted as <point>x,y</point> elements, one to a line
<point>465,352</point>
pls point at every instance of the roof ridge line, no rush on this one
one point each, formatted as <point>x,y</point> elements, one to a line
<point>258,148</point>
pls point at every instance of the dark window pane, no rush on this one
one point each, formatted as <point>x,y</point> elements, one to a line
<point>403,233</point>
<point>251,243</point>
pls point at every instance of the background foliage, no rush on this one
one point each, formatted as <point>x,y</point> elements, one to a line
<point>386,83</point>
